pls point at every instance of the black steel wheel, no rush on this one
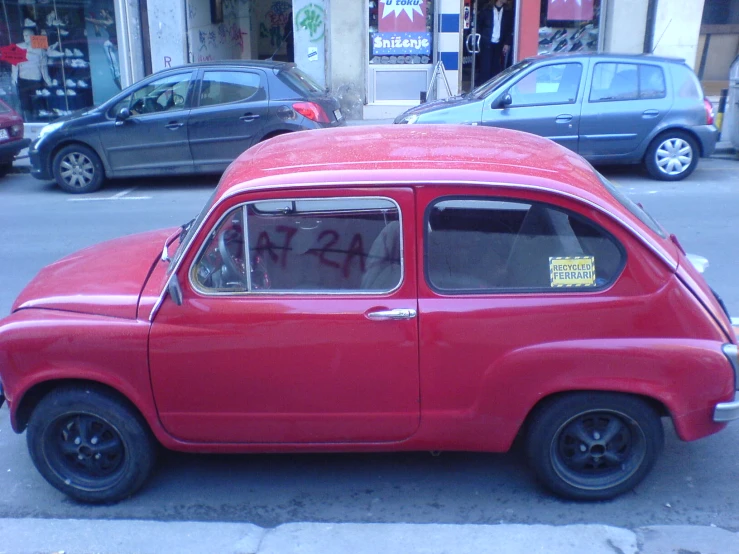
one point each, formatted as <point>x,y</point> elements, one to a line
<point>78,169</point>
<point>90,445</point>
<point>594,446</point>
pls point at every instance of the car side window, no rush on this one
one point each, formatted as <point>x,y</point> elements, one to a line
<point>550,84</point>
<point>651,82</point>
<point>614,81</point>
<point>475,245</point>
<point>167,94</point>
<point>225,87</point>
<point>336,245</point>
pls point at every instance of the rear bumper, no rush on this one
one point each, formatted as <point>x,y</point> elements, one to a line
<point>727,411</point>
<point>708,137</point>
<point>9,150</point>
<point>2,394</point>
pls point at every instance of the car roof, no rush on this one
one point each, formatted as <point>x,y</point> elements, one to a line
<point>263,64</point>
<point>607,56</point>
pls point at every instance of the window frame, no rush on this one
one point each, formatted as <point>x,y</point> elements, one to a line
<point>639,66</point>
<point>201,81</point>
<point>198,289</point>
<point>129,96</point>
<point>518,291</point>
<point>543,66</point>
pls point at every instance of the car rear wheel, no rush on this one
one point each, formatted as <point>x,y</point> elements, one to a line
<point>672,156</point>
<point>78,169</point>
<point>90,445</point>
<point>593,445</point>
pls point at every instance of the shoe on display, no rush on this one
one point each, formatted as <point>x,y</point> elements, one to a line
<point>54,83</point>
<point>78,53</point>
<point>70,83</point>
<point>60,92</point>
<point>29,23</point>
<point>46,92</point>
<point>44,113</point>
<point>577,45</point>
<point>39,93</point>
<point>68,52</point>
<point>71,93</point>
<point>545,41</point>
<point>592,44</point>
<point>63,32</point>
<point>545,31</point>
<point>561,45</point>
<point>82,84</point>
<point>57,111</point>
<point>559,34</point>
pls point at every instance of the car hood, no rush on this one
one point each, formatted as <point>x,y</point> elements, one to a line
<point>461,105</point>
<point>105,279</point>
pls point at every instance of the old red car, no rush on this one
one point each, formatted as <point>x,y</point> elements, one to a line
<point>377,289</point>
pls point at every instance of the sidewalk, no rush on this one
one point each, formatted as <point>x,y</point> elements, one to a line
<point>34,536</point>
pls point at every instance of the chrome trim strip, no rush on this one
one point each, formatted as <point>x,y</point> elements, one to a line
<point>398,313</point>
<point>727,411</point>
<point>732,354</point>
<point>242,188</point>
<point>2,394</point>
<point>247,260</point>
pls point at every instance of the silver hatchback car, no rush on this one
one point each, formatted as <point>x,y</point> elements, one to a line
<point>611,109</point>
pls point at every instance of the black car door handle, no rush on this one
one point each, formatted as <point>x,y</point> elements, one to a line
<point>249,117</point>
<point>650,113</point>
<point>564,118</point>
<point>173,125</point>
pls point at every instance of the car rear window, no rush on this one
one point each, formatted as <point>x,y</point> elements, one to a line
<point>299,81</point>
<point>633,207</point>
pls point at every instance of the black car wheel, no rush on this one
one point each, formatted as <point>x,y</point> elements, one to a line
<point>5,168</point>
<point>594,446</point>
<point>672,156</point>
<point>78,169</point>
<point>90,445</point>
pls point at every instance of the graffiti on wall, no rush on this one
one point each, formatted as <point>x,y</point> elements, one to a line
<point>311,19</point>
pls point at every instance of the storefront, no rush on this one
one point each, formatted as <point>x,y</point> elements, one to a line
<point>57,56</point>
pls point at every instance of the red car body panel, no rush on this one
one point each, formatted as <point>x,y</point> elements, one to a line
<point>273,372</point>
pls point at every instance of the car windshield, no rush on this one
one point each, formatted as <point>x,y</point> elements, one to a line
<point>488,86</point>
<point>188,231</point>
<point>301,81</point>
<point>636,209</point>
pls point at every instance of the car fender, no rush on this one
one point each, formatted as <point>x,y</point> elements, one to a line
<point>91,142</point>
<point>661,128</point>
<point>664,370</point>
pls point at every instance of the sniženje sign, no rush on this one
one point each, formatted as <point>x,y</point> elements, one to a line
<point>572,271</point>
<point>388,44</point>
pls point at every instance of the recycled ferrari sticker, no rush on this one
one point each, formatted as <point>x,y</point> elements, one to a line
<point>572,271</point>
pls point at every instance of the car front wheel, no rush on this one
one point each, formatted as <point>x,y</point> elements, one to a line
<point>90,445</point>
<point>78,169</point>
<point>593,445</point>
<point>672,156</point>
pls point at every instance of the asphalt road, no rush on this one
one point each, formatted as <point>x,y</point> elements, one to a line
<point>692,483</point>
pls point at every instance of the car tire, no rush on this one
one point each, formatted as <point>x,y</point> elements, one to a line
<point>90,444</point>
<point>593,445</point>
<point>5,168</point>
<point>672,156</point>
<point>78,169</point>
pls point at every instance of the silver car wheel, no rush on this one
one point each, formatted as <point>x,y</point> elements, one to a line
<point>77,170</point>
<point>674,156</point>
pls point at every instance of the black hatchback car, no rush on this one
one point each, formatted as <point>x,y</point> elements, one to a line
<point>192,119</point>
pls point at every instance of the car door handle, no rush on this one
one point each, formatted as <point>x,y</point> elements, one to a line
<point>650,113</point>
<point>398,313</point>
<point>249,117</point>
<point>173,125</point>
<point>564,118</point>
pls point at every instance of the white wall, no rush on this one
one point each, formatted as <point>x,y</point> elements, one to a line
<point>167,24</point>
<point>625,26</point>
<point>228,40</point>
<point>310,27</point>
<point>677,28</point>
<point>348,54</point>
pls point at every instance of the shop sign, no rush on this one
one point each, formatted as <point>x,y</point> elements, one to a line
<point>40,41</point>
<point>570,10</point>
<point>385,44</point>
<point>402,16</point>
<point>13,54</point>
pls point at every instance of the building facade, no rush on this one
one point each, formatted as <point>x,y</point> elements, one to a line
<point>378,56</point>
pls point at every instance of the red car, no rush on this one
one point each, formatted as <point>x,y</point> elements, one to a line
<point>11,137</point>
<point>377,289</point>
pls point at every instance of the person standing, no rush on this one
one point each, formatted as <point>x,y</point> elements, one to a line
<point>495,25</point>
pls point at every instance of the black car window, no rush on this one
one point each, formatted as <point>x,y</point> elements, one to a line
<point>651,82</point>
<point>162,95</point>
<point>224,87</point>
<point>483,245</point>
<point>550,84</point>
<point>614,81</point>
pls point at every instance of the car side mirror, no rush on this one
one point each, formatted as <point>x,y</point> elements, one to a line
<point>506,100</point>
<point>123,114</point>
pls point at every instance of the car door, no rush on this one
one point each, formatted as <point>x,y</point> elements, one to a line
<point>153,139</point>
<point>317,342</point>
<point>625,101</point>
<point>544,101</point>
<point>229,116</point>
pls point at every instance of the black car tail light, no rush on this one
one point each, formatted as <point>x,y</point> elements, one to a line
<point>312,111</point>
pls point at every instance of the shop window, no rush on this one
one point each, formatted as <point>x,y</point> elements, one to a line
<point>507,245</point>
<point>569,26</point>
<point>551,84</point>
<point>69,58</point>
<point>224,87</point>
<point>401,33</point>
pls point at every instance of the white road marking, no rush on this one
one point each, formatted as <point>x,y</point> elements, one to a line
<point>118,196</point>
<point>123,193</point>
